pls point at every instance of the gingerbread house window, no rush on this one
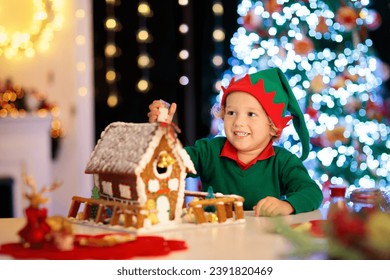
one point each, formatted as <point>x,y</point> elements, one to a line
<point>107,188</point>
<point>162,166</point>
<point>124,191</point>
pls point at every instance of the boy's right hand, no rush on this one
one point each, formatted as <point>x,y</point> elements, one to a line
<point>154,111</point>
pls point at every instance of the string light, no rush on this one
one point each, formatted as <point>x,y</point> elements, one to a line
<point>218,36</point>
<point>183,2</point>
<point>144,37</point>
<point>111,51</point>
<point>82,65</point>
<point>184,52</point>
<point>47,18</point>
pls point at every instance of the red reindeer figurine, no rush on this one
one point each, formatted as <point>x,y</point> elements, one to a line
<point>37,231</point>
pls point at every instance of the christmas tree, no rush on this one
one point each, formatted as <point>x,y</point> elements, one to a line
<point>325,51</point>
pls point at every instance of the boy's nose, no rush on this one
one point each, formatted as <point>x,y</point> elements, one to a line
<point>239,121</point>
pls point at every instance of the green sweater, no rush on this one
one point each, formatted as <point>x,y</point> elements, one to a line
<point>282,175</point>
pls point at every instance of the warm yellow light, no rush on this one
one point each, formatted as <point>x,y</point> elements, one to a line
<point>55,111</point>
<point>144,9</point>
<point>80,40</point>
<point>143,85</point>
<point>24,34</point>
<point>3,113</point>
<point>110,50</point>
<point>80,13</point>
<point>218,35</point>
<point>30,52</point>
<point>143,35</point>
<point>218,9</point>
<point>112,100</point>
<point>83,91</point>
<point>183,2</point>
<point>110,76</point>
<point>111,23</point>
<point>42,113</point>
<point>183,28</point>
<point>14,113</point>
<point>55,124</point>
<point>81,66</point>
<point>144,61</point>
<point>217,86</point>
<point>184,54</point>
<point>217,60</point>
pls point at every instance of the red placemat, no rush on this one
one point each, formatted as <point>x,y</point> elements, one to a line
<point>143,246</point>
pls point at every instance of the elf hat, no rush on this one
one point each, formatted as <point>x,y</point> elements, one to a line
<point>271,88</point>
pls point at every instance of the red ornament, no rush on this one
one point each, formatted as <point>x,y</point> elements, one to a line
<point>272,6</point>
<point>313,113</point>
<point>35,233</point>
<point>348,228</point>
<point>251,21</point>
<point>304,46</point>
<point>322,27</point>
<point>347,17</point>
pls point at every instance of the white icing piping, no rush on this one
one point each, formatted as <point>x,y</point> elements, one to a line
<point>141,190</point>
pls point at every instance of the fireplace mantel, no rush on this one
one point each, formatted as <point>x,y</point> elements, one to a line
<point>25,146</point>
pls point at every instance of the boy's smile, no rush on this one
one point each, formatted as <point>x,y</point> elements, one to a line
<point>240,133</point>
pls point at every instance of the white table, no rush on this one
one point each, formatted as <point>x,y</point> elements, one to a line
<point>236,241</point>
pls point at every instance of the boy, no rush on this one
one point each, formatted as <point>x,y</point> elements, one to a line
<point>272,180</point>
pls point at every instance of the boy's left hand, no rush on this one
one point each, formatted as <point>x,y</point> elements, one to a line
<point>271,207</point>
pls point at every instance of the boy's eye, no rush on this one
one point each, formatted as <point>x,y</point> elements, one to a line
<point>252,114</point>
<point>230,113</point>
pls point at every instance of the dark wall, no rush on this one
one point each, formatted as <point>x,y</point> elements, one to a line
<point>381,35</point>
<point>164,49</point>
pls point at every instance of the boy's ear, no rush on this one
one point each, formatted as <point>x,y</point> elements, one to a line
<point>273,132</point>
<point>273,129</point>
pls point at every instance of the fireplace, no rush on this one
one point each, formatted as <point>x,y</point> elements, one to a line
<point>25,147</point>
<point>6,200</point>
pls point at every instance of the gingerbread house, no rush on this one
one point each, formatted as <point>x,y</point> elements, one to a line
<point>142,164</point>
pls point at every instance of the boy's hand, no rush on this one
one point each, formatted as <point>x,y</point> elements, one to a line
<point>271,207</point>
<point>154,111</point>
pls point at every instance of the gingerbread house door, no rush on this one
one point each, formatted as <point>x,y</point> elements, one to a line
<point>163,209</point>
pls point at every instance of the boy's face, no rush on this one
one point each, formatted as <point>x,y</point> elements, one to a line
<point>246,124</point>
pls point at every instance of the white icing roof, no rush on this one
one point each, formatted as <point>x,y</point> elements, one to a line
<point>122,146</point>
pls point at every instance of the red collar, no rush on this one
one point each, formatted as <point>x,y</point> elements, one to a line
<point>230,152</point>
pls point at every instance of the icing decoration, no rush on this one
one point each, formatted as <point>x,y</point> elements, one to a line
<point>153,185</point>
<point>165,160</point>
<point>173,184</point>
<point>152,211</point>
